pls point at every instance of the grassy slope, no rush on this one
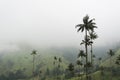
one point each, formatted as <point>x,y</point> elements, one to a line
<point>106,63</point>
<point>23,59</point>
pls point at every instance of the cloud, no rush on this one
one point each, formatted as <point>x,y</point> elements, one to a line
<point>52,22</point>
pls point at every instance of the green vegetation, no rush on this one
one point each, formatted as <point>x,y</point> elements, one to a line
<point>13,64</point>
<point>62,63</point>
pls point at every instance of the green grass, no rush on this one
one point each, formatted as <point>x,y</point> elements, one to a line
<point>106,63</point>
<point>97,76</point>
<point>23,59</point>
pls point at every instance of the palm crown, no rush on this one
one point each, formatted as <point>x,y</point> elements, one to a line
<point>87,24</point>
<point>34,52</point>
<point>79,62</point>
<point>81,54</point>
<point>111,53</point>
<point>93,35</point>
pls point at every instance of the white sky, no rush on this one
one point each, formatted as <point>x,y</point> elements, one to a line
<point>52,22</point>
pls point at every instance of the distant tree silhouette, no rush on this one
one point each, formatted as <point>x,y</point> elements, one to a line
<point>34,52</point>
<point>57,65</point>
<point>102,72</point>
<point>88,64</point>
<point>93,59</point>
<point>54,63</point>
<point>60,61</point>
<point>99,59</point>
<point>55,58</point>
<point>118,60</point>
<point>111,53</point>
<point>88,25</point>
<point>79,62</point>
<point>81,54</point>
<point>94,56</point>
<point>71,69</point>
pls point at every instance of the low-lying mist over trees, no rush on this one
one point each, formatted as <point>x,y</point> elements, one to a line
<point>59,40</point>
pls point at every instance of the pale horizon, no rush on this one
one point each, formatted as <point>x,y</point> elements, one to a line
<point>52,23</point>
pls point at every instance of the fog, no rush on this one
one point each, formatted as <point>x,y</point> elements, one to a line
<point>52,22</point>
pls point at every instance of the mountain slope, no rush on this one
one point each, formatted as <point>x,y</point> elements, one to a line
<point>106,63</point>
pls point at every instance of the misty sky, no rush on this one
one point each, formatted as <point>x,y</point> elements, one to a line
<point>52,22</point>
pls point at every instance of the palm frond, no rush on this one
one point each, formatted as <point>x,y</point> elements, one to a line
<point>34,52</point>
<point>80,27</point>
<point>93,35</point>
<point>83,42</point>
<point>91,20</point>
<point>81,53</point>
<point>85,19</point>
<point>79,62</point>
<point>55,58</point>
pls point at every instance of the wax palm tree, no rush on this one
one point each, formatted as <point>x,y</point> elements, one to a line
<point>54,63</point>
<point>60,61</point>
<point>80,64</point>
<point>100,67</point>
<point>87,26</point>
<point>81,54</point>
<point>111,53</point>
<point>34,52</point>
<point>88,64</point>
<point>55,60</point>
<point>93,36</point>
<point>99,59</point>
<point>87,41</point>
<point>59,65</point>
<point>93,56</point>
<point>71,69</point>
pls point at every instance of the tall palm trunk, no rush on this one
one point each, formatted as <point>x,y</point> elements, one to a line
<point>92,57</point>
<point>91,54</point>
<point>86,54</point>
<point>81,73</point>
<point>111,67</point>
<point>33,66</point>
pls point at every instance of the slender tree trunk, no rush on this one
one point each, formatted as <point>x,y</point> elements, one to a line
<point>111,68</point>
<point>92,58</point>
<point>86,54</point>
<point>81,74</point>
<point>33,66</point>
<point>59,70</point>
<point>54,72</point>
<point>91,54</point>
